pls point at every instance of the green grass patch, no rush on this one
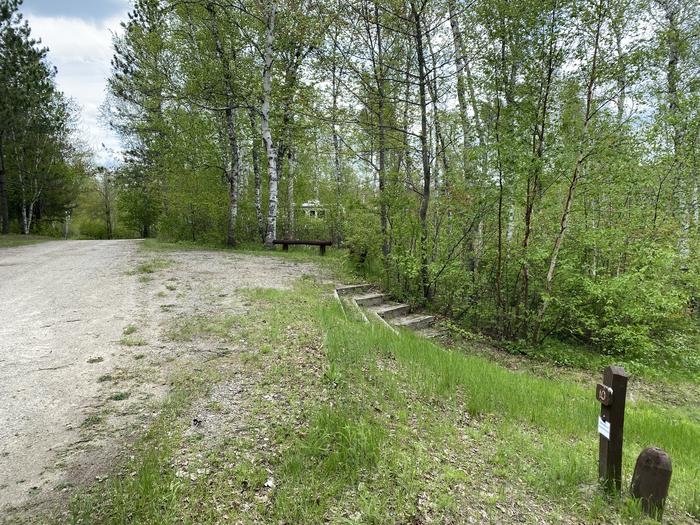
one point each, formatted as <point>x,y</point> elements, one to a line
<point>565,414</point>
<point>203,326</point>
<point>119,396</point>
<point>104,378</point>
<point>94,360</point>
<point>92,420</point>
<point>132,341</point>
<point>130,329</point>
<point>13,240</point>
<point>149,267</point>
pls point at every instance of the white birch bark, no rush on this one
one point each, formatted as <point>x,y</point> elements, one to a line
<point>265,126</point>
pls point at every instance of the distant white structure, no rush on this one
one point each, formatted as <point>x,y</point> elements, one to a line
<point>313,209</point>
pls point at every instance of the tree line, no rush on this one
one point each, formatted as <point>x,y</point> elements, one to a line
<point>530,168</point>
<point>42,167</point>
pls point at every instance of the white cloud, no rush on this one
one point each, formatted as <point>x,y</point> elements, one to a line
<point>81,50</point>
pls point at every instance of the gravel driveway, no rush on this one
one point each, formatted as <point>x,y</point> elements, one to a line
<point>64,308</point>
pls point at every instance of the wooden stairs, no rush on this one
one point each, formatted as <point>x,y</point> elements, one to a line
<point>368,301</point>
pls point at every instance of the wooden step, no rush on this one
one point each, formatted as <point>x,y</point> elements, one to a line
<point>414,322</point>
<point>353,289</point>
<point>371,299</point>
<point>430,332</point>
<point>393,310</point>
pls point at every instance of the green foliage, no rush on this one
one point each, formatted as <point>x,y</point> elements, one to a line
<point>624,314</point>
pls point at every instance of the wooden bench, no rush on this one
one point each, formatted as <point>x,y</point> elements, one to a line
<point>286,242</point>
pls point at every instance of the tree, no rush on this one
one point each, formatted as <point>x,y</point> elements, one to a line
<point>36,142</point>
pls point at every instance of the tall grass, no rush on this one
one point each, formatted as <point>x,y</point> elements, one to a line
<point>566,412</point>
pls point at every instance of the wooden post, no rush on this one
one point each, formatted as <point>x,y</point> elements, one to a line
<point>285,247</point>
<point>651,479</point>
<point>611,394</point>
<point>323,249</point>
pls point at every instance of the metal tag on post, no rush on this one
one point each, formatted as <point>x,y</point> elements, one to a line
<point>604,394</point>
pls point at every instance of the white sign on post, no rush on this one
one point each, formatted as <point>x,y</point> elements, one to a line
<point>604,428</point>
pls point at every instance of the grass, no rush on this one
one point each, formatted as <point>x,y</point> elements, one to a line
<point>92,420</point>
<point>13,240</point>
<point>130,329</point>
<point>350,423</point>
<point>132,341</point>
<point>94,360</point>
<point>150,267</point>
<point>119,396</point>
<point>335,260</point>
<point>203,326</point>
<point>651,365</point>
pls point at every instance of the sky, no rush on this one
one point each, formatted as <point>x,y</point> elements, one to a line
<point>78,34</point>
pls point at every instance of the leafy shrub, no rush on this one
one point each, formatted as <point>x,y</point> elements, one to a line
<point>626,314</point>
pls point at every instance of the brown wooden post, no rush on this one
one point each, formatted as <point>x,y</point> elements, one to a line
<point>611,394</point>
<point>323,249</point>
<point>285,247</point>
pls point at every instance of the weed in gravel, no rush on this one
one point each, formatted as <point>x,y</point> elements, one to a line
<point>153,265</point>
<point>94,360</point>
<point>189,329</point>
<point>105,377</point>
<point>91,420</point>
<point>133,341</point>
<point>130,329</point>
<point>119,396</point>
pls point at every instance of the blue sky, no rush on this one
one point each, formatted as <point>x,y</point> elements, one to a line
<point>78,34</point>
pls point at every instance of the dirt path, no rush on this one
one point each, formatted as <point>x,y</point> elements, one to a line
<point>73,386</point>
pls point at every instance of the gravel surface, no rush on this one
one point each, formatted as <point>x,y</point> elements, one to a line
<point>64,309</point>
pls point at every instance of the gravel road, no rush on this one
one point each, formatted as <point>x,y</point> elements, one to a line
<point>64,306</point>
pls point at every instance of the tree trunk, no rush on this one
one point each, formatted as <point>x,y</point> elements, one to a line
<point>671,13</point>
<point>265,126</point>
<point>338,172</point>
<point>425,152</point>
<point>291,219</point>
<point>66,224</point>
<point>379,78</point>
<point>232,176</point>
<point>564,222</point>
<point>108,219</point>
<point>232,160</point>
<point>4,209</point>
<point>533,178</point>
<point>255,152</point>
<point>461,96</point>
